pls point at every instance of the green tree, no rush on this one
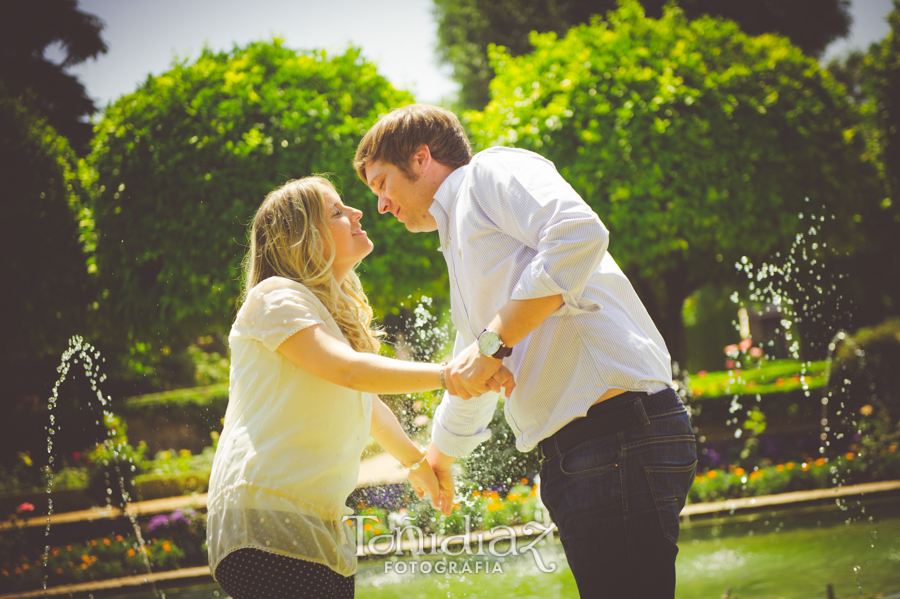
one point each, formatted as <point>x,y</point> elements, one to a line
<point>696,144</point>
<point>872,79</point>
<point>46,273</point>
<point>182,164</point>
<point>27,29</point>
<point>48,294</point>
<point>467,27</point>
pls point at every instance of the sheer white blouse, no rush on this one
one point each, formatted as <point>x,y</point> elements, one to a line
<point>289,452</point>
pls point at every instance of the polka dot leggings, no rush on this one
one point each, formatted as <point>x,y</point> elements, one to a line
<point>257,574</point>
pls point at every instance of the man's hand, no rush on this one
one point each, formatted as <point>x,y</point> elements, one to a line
<point>440,465</point>
<point>472,374</point>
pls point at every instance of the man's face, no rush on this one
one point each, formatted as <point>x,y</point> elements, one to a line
<point>408,200</point>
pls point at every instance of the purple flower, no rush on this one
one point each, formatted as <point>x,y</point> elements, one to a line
<point>158,521</point>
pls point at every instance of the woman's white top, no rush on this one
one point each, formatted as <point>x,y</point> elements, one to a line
<point>289,452</point>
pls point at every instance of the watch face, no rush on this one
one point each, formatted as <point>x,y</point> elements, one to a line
<point>489,343</point>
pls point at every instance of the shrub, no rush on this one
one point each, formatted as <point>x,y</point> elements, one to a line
<point>697,145</point>
<point>191,154</point>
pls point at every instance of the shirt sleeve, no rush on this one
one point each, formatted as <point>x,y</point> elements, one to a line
<point>276,309</point>
<point>527,199</point>
<point>461,425</point>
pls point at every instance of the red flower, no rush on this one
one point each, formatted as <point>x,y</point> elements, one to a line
<point>745,344</point>
<point>25,507</point>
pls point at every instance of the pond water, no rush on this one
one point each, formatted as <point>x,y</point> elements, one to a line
<point>789,554</point>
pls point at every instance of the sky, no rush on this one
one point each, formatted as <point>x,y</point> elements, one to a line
<point>398,35</point>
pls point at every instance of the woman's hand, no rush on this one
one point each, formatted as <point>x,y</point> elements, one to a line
<point>424,480</point>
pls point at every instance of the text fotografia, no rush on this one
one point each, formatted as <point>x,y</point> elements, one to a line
<point>445,566</point>
<point>499,542</point>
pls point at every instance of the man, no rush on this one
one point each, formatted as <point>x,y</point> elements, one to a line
<point>533,287</point>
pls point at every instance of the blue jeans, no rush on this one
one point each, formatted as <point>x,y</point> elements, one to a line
<point>616,500</point>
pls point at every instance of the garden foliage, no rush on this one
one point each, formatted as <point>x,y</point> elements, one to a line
<point>695,143</point>
<point>865,371</point>
<point>182,164</point>
<point>467,27</point>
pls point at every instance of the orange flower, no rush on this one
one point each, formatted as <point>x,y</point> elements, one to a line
<point>779,468</point>
<point>54,551</point>
<point>712,474</point>
<point>456,506</point>
<point>804,466</point>
<point>789,465</point>
<point>820,462</point>
<point>476,494</point>
<point>26,567</point>
<point>892,448</point>
<point>84,566</point>
<point>68,548</point>
<point>513,497</point>
<point>367,527</point>
<point>524,481</point>
<point>849,455</point>
<point>698,479</point>
<point>166,547</point>
<point>739,472</point>
<point>93,543</point>
<point>106,542</point>
<point>495,495</point>
<point>494,507</point>
<point>533,492</point>
<point>756,474</point>
<point>119,538</point>
<point>5,573</point>
<point>86,559</point>
<point>349,523</point>
<point>130,552</point>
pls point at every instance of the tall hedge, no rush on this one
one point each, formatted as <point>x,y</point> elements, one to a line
<point>182,164</point>
<point>696,145</point>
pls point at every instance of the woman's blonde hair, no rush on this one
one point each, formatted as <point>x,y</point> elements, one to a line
<point>288,238</point>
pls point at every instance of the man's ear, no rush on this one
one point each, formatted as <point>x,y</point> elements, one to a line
<point>422,158</point>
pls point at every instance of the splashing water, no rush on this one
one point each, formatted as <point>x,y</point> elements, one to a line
<point>80,350</point>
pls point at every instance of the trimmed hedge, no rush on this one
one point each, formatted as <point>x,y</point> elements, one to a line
<point>180,419</point>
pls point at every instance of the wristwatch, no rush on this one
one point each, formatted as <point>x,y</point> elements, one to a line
<point>490,345</point>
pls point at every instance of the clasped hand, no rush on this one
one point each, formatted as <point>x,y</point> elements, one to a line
<point>472,374</point>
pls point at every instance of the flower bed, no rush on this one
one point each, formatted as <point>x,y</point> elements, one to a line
<point>776,376</point>
<point>822,473</point>
<point>171,542</point>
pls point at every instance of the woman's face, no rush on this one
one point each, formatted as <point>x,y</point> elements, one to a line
<point>351,244</point>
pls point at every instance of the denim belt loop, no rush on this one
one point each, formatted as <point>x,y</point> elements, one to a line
<point>640,413</point>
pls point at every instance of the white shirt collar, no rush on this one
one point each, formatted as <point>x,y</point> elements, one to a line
<point>449,190</point>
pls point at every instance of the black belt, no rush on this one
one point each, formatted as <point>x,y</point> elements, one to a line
<point>619,413</point>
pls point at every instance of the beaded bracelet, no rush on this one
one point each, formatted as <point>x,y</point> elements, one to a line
<point>419,463</point>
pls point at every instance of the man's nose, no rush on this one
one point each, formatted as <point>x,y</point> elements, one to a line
<point>383,204</point>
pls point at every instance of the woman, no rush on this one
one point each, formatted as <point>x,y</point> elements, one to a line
<point>303,364</point>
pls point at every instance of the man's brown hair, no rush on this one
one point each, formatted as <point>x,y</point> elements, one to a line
<point>397,135</point>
